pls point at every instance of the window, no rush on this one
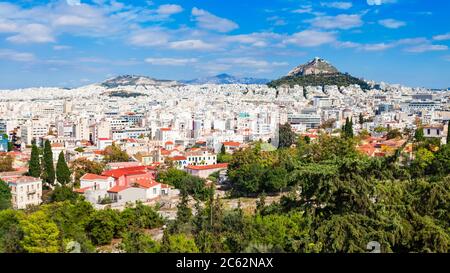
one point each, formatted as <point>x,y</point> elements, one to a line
<point>438,132</point>
<point>154,190</point>
<point>429,131</point>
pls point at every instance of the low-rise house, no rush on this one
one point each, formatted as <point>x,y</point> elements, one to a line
<point>434,131</point>
<point>129,176</point>
<point>124,194</point>
<point>180,162</point>
<point>200,157</point>
<point>205,171</point>
<point>25,190</point>
<point>231,146</point>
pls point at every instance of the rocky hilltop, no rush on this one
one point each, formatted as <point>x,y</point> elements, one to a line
<point>316,66</point>
<point>318,72</point>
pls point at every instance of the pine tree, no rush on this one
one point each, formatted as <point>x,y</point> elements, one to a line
<point>62,170</point>
<point>34,165</point>
<point>49,168</point>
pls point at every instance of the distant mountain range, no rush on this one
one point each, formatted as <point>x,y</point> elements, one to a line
<point>226,79</point>
<point>134,80</point>
<point>318,72</point>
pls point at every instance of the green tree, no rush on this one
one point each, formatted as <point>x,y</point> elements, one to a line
<point>71,218</point>
<point>5,195</point>
<point>424,158</point>
<point>184,212</point>
<point>394,133</point>
<point>135,241</point>
<point>49,169</point>
<point>34,165</point>
<point>141,216</point>
<point>286,136</point>
<point>62,193</point>
<point>81,166</point>
<point>419,136</point>
<point>6,163</point>
<point>10,231</point>
<point>40,233</point>
<point>103,226</point>
<point>448,134</point>
<point>114,154</point>
<point>62,170</point>
<point>179,243</point>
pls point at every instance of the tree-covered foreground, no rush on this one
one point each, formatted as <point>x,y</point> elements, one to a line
<point>334,200</point>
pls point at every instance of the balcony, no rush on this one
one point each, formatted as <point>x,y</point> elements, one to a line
<point>31,192</point>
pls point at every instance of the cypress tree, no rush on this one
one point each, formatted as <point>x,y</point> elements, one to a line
<point>34,166</point>
<point>49,168</point>
<point>350,129</point>
<point>448,133</point>
<point>62,170</point>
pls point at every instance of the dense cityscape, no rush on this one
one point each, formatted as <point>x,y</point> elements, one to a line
<point>174,152</point>
<point>148,127</point>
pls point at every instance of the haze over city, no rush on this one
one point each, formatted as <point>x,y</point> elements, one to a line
<point>74,43</point>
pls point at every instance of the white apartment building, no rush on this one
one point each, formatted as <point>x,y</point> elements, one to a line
<point>26,191</point>
<point>33,129</point>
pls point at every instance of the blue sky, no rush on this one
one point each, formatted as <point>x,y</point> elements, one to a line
<point>72,43</point>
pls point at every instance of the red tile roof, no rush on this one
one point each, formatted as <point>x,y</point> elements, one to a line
<point>147,184</point>
<point>208,167</point>
<point>125,171</point>
<point>117,189</point>
<point>82,190</point>
<point>176,158</point>
<point>91,176</point>
<point>231,143</point>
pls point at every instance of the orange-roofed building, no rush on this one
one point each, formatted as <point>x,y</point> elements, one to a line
<point>231,146</point>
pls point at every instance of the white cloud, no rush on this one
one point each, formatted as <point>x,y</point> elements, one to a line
<point>442,37</point>
<point>73,2</point>
<point>61,47</point>
<point>149,37</point>
<point>12,55</point>
<point>303,9</point>
<point>380,2</point>
<point>337,5</point>
<point>210,21</point>
<point>311,38</point>
<point>33,33</point>
<point>170,61</point>
<point>191,45</point>
<point>342,21</point>
<point>376,47</point>
<point>169,9</point>
<point>7,26</point>
<point>427,48</point>
<point>257,39</point>
<point>392,23</point>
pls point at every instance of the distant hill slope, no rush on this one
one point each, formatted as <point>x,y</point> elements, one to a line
<point>226,79</point>
<point>318,72</point>
<point>132,80</point>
